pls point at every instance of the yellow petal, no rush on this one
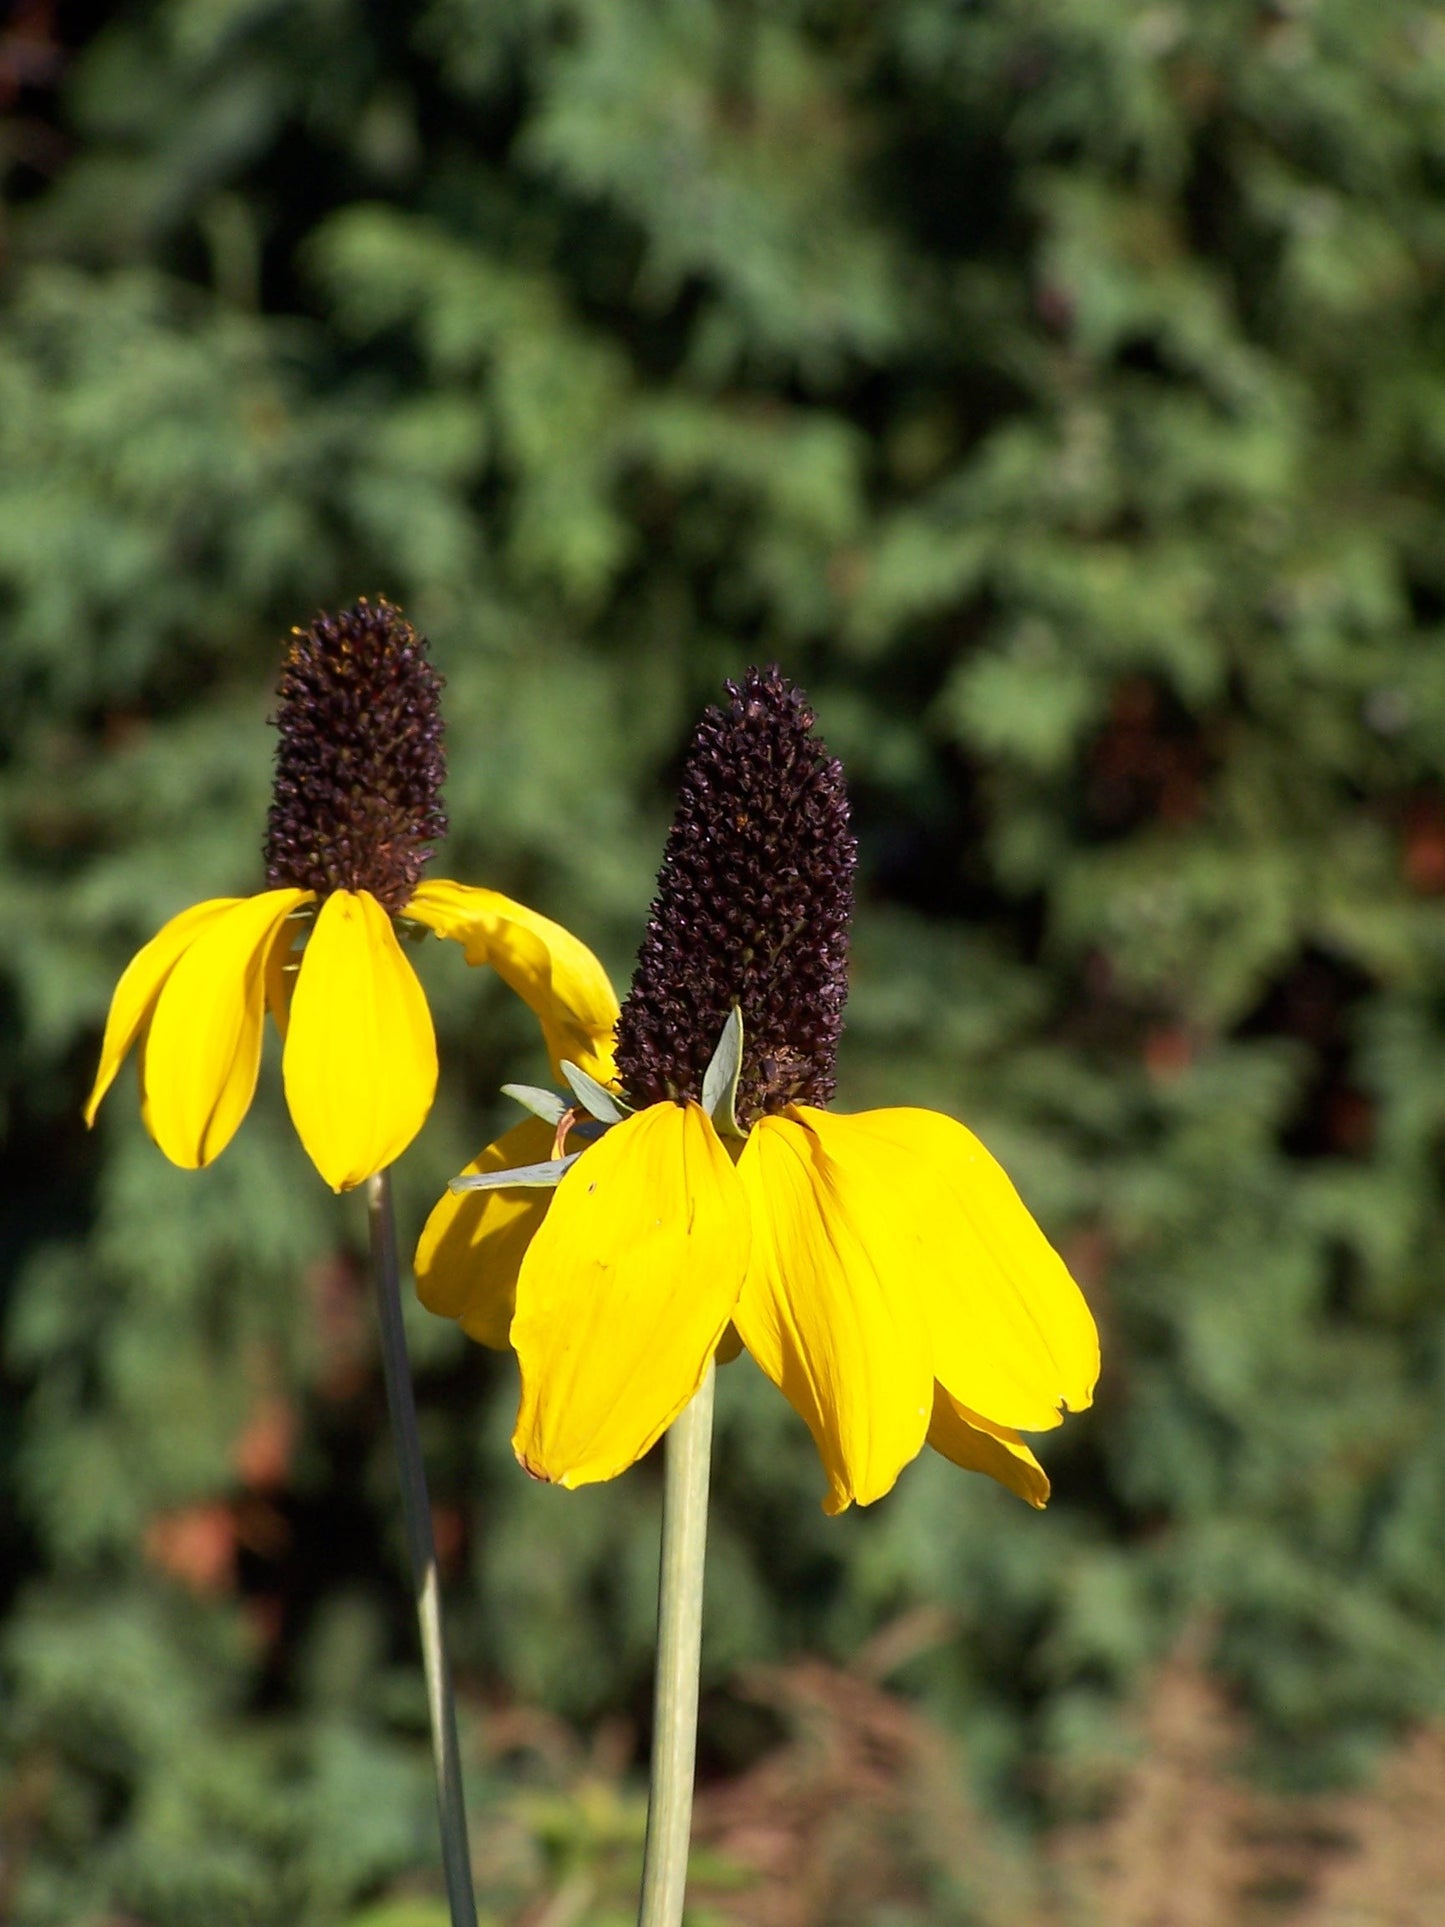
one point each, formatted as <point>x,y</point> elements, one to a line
<point>554,973</point>
<point>1010,1332</point>
<point>203,1050</point>
<point>978,1446</point>
<point>624,1293</point>
<point>473,1243</point>
<point>840,1334</point>
<point>140,985</point>
<point>360,1065</point>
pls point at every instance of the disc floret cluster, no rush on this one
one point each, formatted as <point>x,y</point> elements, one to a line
<point>752,911</point>
<point>356,799</point>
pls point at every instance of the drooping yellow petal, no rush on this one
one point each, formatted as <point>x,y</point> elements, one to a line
<point>978,1446</point>
<point>360,1065</point>
<point>624,1293</point>
<point>834,1325</point>
<point>141,983</point>
<point>1011,1335</point>
<point>473,1243</point>
<point>203,1050</point>
<point>554,973</point>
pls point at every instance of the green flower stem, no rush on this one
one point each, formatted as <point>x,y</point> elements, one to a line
<point>679,1651</point>
<point>416,1511</point>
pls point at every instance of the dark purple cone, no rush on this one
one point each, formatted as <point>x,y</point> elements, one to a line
<point>356,803</point>
<point>753,904</point>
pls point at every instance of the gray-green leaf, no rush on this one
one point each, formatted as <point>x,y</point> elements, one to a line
<point>547,1105</point>
<point>594,1099</point>
<point>720,1084</point>
<point>533,1177</point>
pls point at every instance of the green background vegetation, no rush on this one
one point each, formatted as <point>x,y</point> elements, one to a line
<point>1056,388</point>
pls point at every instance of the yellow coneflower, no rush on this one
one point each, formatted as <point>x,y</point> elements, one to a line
<point>880,1267</point>
<point>355,811</point>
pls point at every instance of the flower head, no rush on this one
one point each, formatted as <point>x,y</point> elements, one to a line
<point>355,811</point>
<point>880,1268</point>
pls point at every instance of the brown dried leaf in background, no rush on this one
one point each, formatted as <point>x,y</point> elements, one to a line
<point>1178,1847</point>
<point>863,1806</point>
<point>1390,1869</point>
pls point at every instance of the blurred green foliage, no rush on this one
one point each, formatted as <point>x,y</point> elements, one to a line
<point>1055,388</point>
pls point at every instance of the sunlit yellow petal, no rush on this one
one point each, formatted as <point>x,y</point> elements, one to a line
<point>203,1050</point>
<point>140,985</point>
<point>624,1293</point>
<point>978,1446</point>
<point>554,973</point>
<point>474,1241</point>
<point>842,1335</point>
<point>360,1065</point>
<point>1010,1332</point>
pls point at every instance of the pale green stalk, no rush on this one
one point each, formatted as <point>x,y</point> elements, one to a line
<point>679,1650</point>
<point>421,1549</point>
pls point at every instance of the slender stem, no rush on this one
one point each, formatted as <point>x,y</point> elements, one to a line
<point>679,1651</point>
<point>421,1548</point>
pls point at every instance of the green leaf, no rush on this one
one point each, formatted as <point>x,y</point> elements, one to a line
<point>533,1177</point>
<point>547,1105</point>
<point>594,1098</point>
<point>720,1082</point>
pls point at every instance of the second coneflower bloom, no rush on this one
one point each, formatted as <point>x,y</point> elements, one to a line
<point>356,809</point>
<point>880,1267</point>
